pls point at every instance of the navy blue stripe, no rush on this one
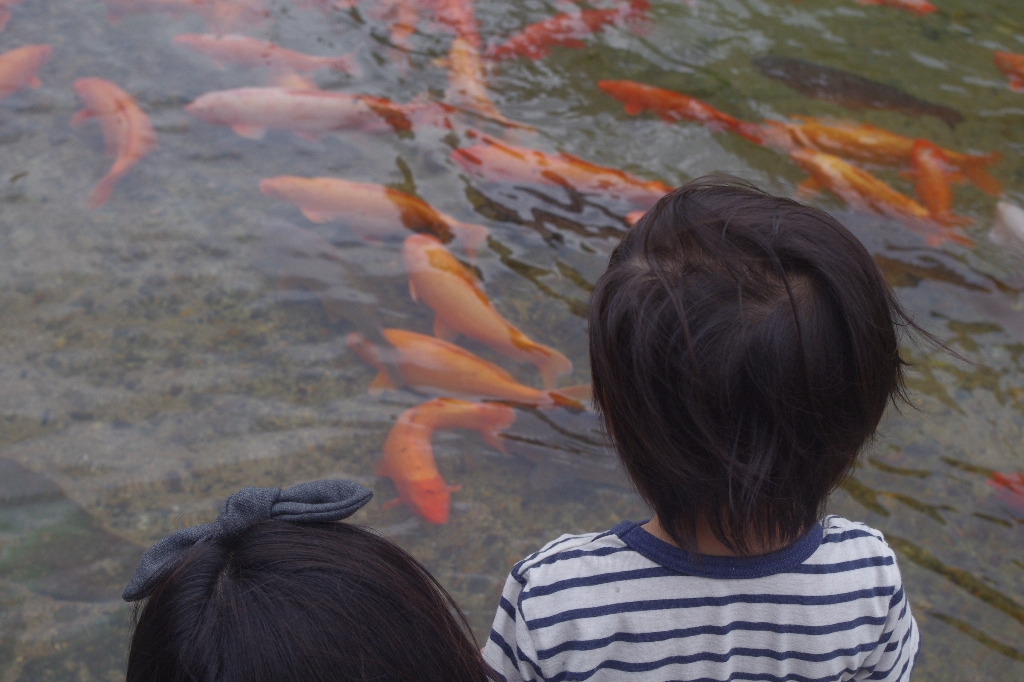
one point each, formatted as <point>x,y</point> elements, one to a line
<point>505,648</point>
<point>695,602</point>
<point>517,570</point>
<point>897,597</point>
<point>768,677</point>
<point>600,579</point>
<point>682,633</point>
<point>576,553</point>
<point>882,674</point>
<point>524,657</point>
<point>843,566</point>
<point>746,652</point>
<point>506,606</point>
<point>848,535</point>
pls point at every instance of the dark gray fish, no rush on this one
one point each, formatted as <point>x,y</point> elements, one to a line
<point>848,89</point>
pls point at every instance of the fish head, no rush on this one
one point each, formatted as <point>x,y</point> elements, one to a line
<point>620,90</point>
<point>279,187</point>
<point>430,499</point>
<point>205,107</point>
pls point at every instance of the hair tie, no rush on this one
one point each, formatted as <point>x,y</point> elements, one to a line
<point>313,502</point>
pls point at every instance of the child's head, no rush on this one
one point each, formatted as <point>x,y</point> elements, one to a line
<point>270,599</point>
<point>743,349</point>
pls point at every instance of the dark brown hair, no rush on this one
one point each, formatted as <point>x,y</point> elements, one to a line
<point>743,348</point>
<point>286,602</point>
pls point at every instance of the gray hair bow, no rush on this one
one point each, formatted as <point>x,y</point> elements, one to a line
<point>313,502</point>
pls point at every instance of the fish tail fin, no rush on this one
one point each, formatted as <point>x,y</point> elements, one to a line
<point>102,191</point>
<point>499,418</point>
<point>5,16</point>
<point>551,365</point>
<point>565,401</point>
<point>471,235</point>
<point>581,392</point>
<point>938,239</point>
<point>976,170</point>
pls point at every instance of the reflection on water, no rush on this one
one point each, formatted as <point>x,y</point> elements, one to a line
<point>188,337</point>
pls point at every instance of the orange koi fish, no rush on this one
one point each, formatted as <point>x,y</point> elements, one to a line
<point>409,458</point>
<point>433,365</point>
<point>932,173</point>
<point>1012,66</point>
<point>460,307</point>
<point>567,30</point>
<point>500,162</point>
<point>5,11</point>
<point>246,51</point>
<point>1010,489</point>
<point>18,68</point>
<point>466,84</point>
<point>373,211</point>
<point>306,112</point>
<point>864,142</point>
<point>863,191</point>
<point>674,106</point>
<point>920,7</point>
<point>127,132</point>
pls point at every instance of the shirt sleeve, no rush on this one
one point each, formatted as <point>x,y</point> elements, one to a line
<point>509,647</point>
<point>893,658</point>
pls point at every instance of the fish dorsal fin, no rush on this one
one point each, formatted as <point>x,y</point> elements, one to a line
<point>314,216</point>
<point>250,132</point>
<point>443,331</point>
<point>380,382</point>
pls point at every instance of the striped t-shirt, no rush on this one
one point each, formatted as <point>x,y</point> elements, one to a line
<point>625,605</point>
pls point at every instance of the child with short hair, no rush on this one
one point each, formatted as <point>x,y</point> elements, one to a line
<point>743,348</point>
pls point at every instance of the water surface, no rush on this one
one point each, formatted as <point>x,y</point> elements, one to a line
<point>151,364</point>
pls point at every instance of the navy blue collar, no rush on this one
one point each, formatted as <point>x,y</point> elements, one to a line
<point>703,566</point>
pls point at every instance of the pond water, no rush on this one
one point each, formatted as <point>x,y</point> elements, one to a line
<point>171,346</point>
